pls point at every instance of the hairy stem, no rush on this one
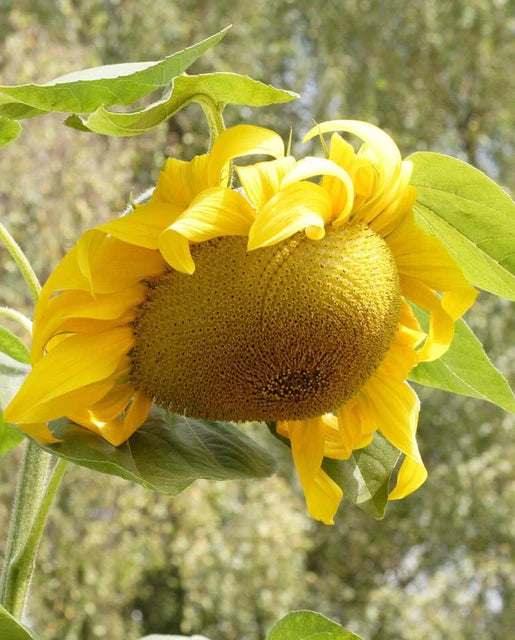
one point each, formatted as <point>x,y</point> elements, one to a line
<point>21,260</point>
<point>213,113</point>
<point>37,486</point>
<point>16,316</point>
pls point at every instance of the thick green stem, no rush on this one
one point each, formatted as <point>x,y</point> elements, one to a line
<point>37,487</point>
<point>213,113</point>
<point>21,260</point>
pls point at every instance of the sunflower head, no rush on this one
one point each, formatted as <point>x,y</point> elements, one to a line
<point>285,300</point>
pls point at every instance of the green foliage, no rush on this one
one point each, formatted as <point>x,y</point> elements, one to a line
<point>121,84</point>
<point>9,131</point>
<point>471,215</point>
<point>301,625</point>
<point>465,369</point>
<point>219,88</point>
<point>167,453</point>
<point>11,629</point>
<point>13,346</point>
<point>365,477</point>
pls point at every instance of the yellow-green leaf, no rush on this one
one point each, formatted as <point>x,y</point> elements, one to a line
<point>9,131</point>
<point>465,369</point>
<point>11,629</point>
<point>471,215</point>
<point>84,91</point>
<point>301,625</point>
<point>219,88</point>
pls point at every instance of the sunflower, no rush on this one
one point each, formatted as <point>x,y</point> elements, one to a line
<point>284,300</point>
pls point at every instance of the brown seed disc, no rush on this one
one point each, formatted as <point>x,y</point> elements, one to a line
<point>286,332</point>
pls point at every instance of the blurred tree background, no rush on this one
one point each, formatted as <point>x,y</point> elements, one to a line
<point>228,559</point>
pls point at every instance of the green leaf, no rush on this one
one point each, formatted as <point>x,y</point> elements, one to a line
<point>222,88</point>
<point>9,131</point>
<point>13,346</point>
<point>471,215</point>
<point>167,453</point>
<point>365,477</point>
<point>300,625</point>
<point>12,375</point>
<point>11,629</point>
<point>465,369</point>
<point>85,91</point>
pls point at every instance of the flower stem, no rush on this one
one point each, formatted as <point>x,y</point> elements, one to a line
<point>21,260</point>
<point>37,487</point>
<point>213,112</point>
<point>16,316</point>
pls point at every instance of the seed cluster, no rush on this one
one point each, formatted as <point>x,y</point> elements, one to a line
<point>281,333</point>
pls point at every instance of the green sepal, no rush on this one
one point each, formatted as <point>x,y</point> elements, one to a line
<point>365,476</point>
<point>11,629</point>
<point>472,216</point>
<point>465,369</point>
<point>218,88</point>
<point>167,453</point>
<point>87,90</point>
<point>301,625</point>
<point>9,131</point>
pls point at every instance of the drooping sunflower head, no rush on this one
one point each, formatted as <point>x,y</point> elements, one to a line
<point>283,300</point>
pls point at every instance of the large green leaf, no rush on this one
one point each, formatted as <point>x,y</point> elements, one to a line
<point>9,131</point>
<point>12,375</point>
<point>301,625</point>
<point>219,88</point>
<point>465,369</point>
<point>13,346</point>
<point>365,477</point>
<point>471,215</point>
<point>167,453</point>
<point>11,629</point>
<point>84,91</point>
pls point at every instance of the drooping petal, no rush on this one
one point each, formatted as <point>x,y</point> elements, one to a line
<point>143,226</point>
<point>242,140</point>
<point>215,212</point>
<point>397,406</point>
<point>441,324</point>
<point>75,363</point>
<point>301,206</point>
<point>340,189</point>
<point>87,247</point>
<point>422,256</point>
<point>80,304</point>
<point>181,181</point>
<point>262,181</point>
<point>39,431</point>
<point>356,425</point>
<point>322,494</point>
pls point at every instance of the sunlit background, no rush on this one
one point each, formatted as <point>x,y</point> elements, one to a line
<point>229,559</point>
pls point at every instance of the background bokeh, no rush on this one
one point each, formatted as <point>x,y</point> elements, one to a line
<point>228,559</point>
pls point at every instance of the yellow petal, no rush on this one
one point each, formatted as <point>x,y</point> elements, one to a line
<point>39,431</point>
<point>441,324</point>
<point>340,187</point>
<point>396,406</point>
<point>301,206</point>
<point>117,431</point>
<point>143,226</point>
<point>80,304</point>
<point>356,425</point>
<point>113,403</point>
<point>175,249</point>
<point>262,181</point>
<point>180,181</point>
<point>422,256</point>
<point>242,140</point>
<point>118,265</point>
<point>74,363</point>
<point>399,361</point>
<point>322,494</point>
<point>215,212</point>
<point>87,247</point>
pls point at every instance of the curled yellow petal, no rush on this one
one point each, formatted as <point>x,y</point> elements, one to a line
<point>242,140</point>
<point>300,206</point>
<point>262,181</point>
